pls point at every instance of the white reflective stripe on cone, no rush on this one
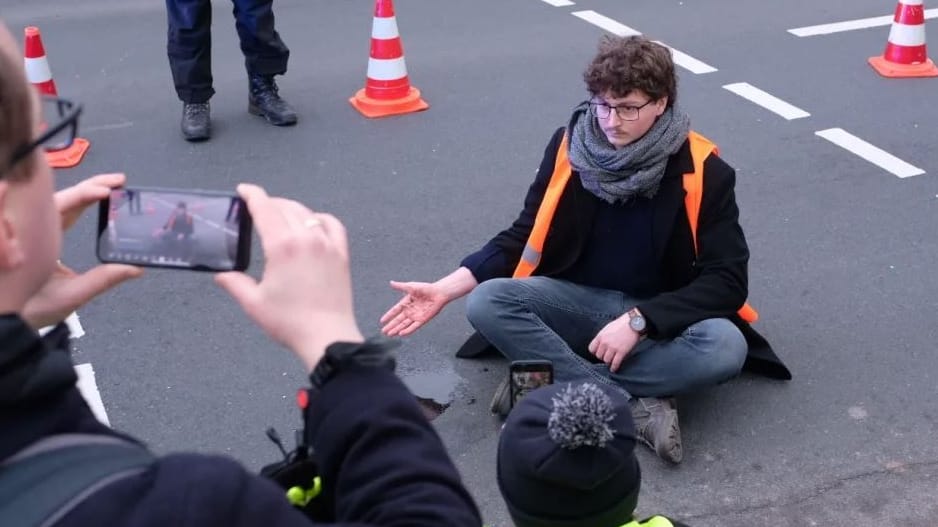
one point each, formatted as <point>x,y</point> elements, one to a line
<point>384,28</point>
<point>37,70</point>
<point>904,35</point>
<point>912,2</point>
<point>386,69</point>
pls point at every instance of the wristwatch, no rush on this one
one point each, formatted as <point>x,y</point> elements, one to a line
<point>373,353</point>
<point>637,321</point>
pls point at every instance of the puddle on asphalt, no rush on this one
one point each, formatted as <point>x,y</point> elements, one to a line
<point>434,390</point>
<point>431,409</point>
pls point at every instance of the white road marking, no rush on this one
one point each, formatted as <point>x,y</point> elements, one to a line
<point>874,155</point>
<point>687,62</point>
<point>558,3</point>
<point>618,28</point>
<point>850,25</point>
<point>102,127</point>
<point>604,22</point>
<point>74,326</point>
<point>89,390</point>
<point>766,100</point>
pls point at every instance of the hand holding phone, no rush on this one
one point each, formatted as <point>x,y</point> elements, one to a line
<point>528,375</point>
<point>66,289</point>
<point>175,228</point>
<point>304,298</point>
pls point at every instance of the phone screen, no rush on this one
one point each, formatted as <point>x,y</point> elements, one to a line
<point>200,230</point>
<point>527,377</point>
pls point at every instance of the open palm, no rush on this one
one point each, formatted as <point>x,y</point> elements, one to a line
<point>421,302</point>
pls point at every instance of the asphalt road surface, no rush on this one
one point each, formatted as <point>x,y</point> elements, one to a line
<point>837,184</point>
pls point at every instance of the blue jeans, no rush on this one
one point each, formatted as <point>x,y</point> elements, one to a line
<point>547,318</point>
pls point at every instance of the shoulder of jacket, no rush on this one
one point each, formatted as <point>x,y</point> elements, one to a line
<point>717,171</point>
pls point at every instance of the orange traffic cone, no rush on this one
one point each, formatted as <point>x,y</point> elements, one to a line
<point>906,55</point>
<point>387,89</point>
<point>39,75</point>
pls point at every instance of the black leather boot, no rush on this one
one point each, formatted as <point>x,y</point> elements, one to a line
<point>196,121</point>
<point>264,100</point>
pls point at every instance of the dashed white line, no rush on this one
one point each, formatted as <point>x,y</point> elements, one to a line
<point>618,28</point>
<point>850,25</point>
<point>874,155</point>
<point>766,100</point>
<point>558,3</point>
<point>687,62</point>
<point>604,22</point>
<point>89,390</point>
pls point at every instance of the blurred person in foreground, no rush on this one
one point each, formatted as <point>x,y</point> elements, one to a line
<point>379,461</point>
<point>566,458</point>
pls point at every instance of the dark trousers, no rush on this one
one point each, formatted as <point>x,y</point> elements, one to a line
<point>190,44</point>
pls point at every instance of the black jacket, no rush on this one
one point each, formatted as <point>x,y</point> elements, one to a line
<point>381,462</point>
<point>713,284</point>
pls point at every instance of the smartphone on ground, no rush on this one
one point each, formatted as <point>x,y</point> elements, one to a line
<point>200,230</point>
<point>527,375</point>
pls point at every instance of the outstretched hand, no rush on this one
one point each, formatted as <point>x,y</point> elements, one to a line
<point>421,302</point>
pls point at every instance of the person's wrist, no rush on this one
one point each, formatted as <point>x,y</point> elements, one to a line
<point>637,322</point>
<point>455,285</point>
<point>311,349</point>
<point>344,356</point>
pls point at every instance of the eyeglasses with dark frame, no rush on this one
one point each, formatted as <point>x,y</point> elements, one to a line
<point>626,112</point>
<point>60,122</point>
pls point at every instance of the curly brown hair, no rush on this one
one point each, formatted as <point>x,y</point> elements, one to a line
<point>16,111</point>
<point>625,64</point>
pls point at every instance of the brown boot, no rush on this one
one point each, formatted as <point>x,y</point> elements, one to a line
<point>501,401</point>
<point>656,426</point>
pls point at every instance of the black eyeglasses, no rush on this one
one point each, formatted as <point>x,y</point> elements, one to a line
<point>626,112</point>
<point>60,126</point>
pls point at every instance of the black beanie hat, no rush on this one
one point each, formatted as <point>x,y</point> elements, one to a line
<point>566,458</point>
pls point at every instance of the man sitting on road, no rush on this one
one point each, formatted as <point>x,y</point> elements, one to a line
<point>610,272</point>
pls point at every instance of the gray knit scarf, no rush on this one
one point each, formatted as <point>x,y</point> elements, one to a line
<point>633,170</point>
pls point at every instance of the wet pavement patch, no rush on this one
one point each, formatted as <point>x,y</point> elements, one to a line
<point>431,409</point>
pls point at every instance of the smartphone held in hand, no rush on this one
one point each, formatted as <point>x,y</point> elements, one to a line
<point>527,375</point>
<point>199,230</point>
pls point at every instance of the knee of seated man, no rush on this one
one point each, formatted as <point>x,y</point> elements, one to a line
<point>482,302</point>
<point>721,343</point>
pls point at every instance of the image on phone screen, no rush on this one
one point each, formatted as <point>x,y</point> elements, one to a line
<point>178,229</point>
<point>523,382</point>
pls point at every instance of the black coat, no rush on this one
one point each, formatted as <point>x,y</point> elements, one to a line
<point>381,462</point>
<point>712,284</point>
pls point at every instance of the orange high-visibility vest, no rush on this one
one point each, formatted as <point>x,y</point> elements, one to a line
<point>700,149</point>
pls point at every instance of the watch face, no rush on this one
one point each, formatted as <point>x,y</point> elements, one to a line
<point>637,323</point>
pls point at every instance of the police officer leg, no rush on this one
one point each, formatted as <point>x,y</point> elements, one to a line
<point>265,55</point>
<point>189,47</point>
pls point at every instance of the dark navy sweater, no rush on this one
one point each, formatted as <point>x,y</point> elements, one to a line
<point>619,253</point>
